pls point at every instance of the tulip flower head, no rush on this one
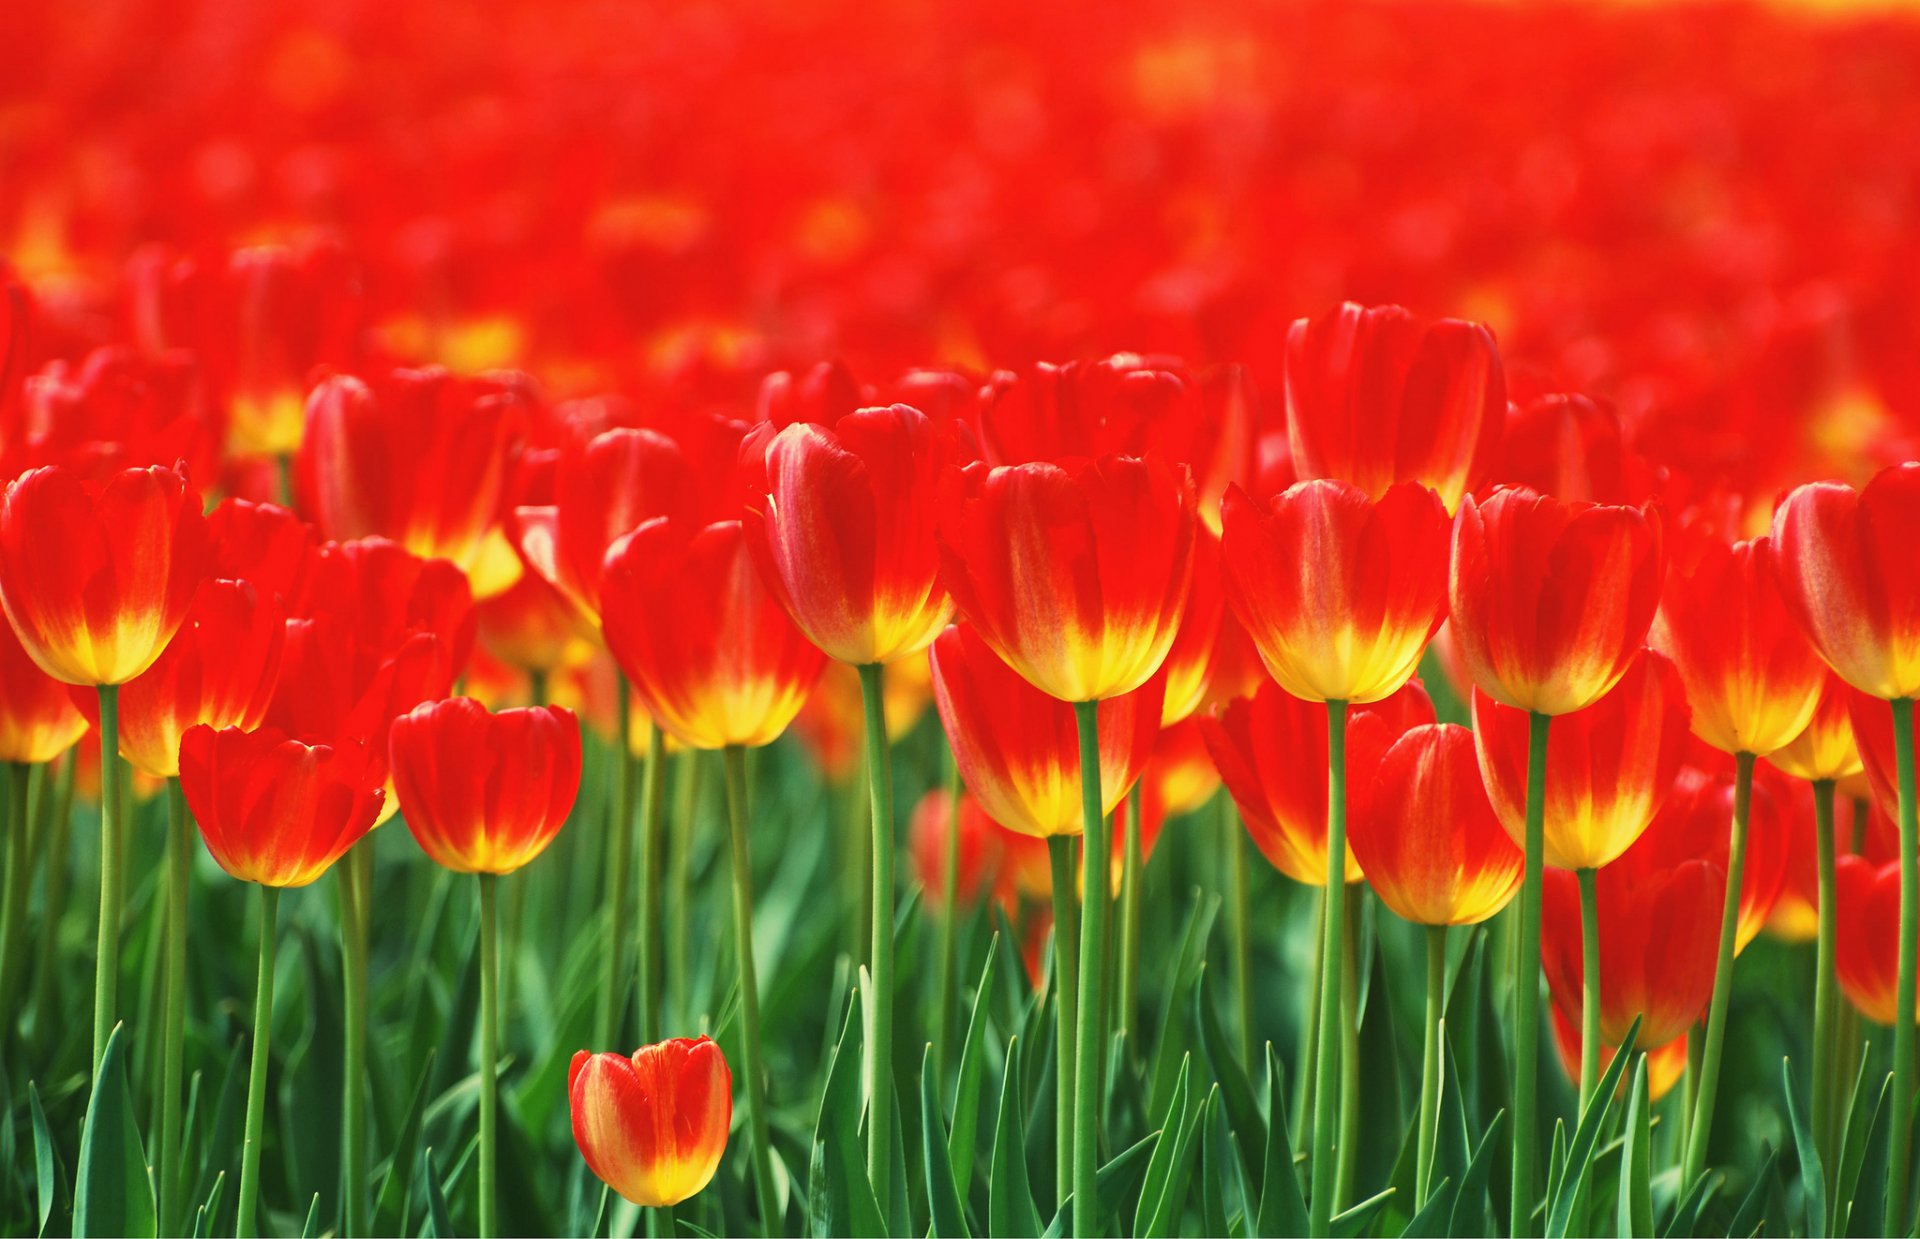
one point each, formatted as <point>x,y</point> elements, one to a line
<point>1825,748</point>
<point>38,719</point>
<point>1866,901</point>
<point>653,1126</point>
<point>274,810</point>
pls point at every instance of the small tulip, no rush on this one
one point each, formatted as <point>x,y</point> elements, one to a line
<point>653,1126</point>
<point>273,810</point>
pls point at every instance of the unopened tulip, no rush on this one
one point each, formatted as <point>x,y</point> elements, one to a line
<point>653,1126</point>
<point>272,809</point>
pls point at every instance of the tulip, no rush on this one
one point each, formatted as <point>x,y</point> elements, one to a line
<point>1666,1064</point>
<point>1550,603</point>
<point>38,717</point>
<point>264,544</point>
<point>1692,824</point>
<point>96,578</point>
<point>1825,749</point>
<point>1845,566</point>
<point>652,1127</point>
<point>1189,663</point>
<point>1572,447</point>
<point>1435,853</point>
<point>1376,396</point>
<point>1868,929</point>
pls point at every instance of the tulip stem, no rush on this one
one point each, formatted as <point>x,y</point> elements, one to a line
<point>652,856</point>
<point>949,926</point>
<point>1590,985</point>
<point>1133,864</point>
<point>1239,928</point>
<point>1824,981</point>
<point>1526,982</point>
<point>173,1051</point>
<point>619,861</point>
<point>46,975</point>
<point>489,1055</point>
<point>256,1123</point>
<point>1431,1063</point>
<point>1347,1144</point>
<point>19,851</point>
<point>1701,1130</point>
<point>1903,1084</point>
<point>1096,870</point>
<point>1303,1071</point>
<point>356,903</point>
<point>1326,1089</point>
<point>1066,988</point>
<point>880,1009</point>
<point>755,1081</point>
<point>106,975</point>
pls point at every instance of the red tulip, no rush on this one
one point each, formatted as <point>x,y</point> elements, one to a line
<point>1190,658</point>
<point>1375,397</point>
<point>1339,592</point>
<point>1552,600</point>
<point>532,627</point>
<point>1666,1064</point>
<point>485,793</point>
<point>1608,771</point>
<point>265,544</point>
<point>723,664</point>
<point>220,669</point>
<point>1572,447</point>
<point>1866,900</point>
<point>38,721</point>
<point>97,577</point>
<point>1018,748</point>
<point>1271,750</point>
<point>980,848</point>
<point>1075,574</point>
<point>653,1126</point>
<point>1825,749</point>
<point>272,809</point>
<point>1694,824</point>
<point>842,519</point>
<point>1845,563</point>
<point>1429,843</point>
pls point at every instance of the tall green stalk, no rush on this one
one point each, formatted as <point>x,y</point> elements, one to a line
<point>1303,1068</point>
<point>1900,1152</point>
<point>1825,979</point>
<point>652,906</point>
<point>489,1056</point>
<point>755,1080</point>
<point>1526,984</point>
<point>949,927</point>
<point>47,973</point>
<point>1701,1130</point>
<point>880,957</point>
<point>686,816</point>
<point>1066,988</point>
<point>1347,1144</point>
<point>256,1122</point>
<point>1095,868</point>
<point>19,848</point>
<point>174,1035</point>
<point>1590,985</point>
<point>356,903</point>
<point>606,1022</point>
<point>1239,927</point>
<point>1431,1063</point>
<point>1326,1070</point>
<point>1132,867</point>
<point>106,974</point>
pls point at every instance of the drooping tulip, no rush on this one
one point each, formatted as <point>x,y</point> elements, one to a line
<point>1429,844</point>
<point>1339,591</point>
<point>1018,748</point>
<point>653,1126</point>
<point>96,577</point>
<point>273,810</point>
<point>1375,396</point>
<point>1608,770</point>
<point>842,519</point>
<point>1076,574</point>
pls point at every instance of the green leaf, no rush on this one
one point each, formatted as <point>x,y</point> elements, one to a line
<point>963,1140</point>
<point>312,1228</point>
<point>1010,1211</point>
<point>1213,1167</point>
<point>1164,1194</point>
<point>1472,1210</point>
<point>1634,1216</point>
<point>1580,1152</point>
<point>1750,1217</point>
<point>943,1194</point>
<point>1243,1114</point>
<point>438,1227</point>
<point>48,1173</point>
<point>1283,1208</point>
<point>840,1199</point>
<point>1436,1215</point>
<point>114,1192</point>
<point>220,1153</point>
<point>1348,1225</point>
<point>204,1216</point>
<point>1172,1046</point>
<point>1686,1215</point>
<point>1813,1178</point>
<point>1867,1205</point>
<point>1112,1183</point>
<point>396,1190</point>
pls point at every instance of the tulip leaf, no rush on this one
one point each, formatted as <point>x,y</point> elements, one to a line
<point>1243,1114</point>
<point>1635,1204</point>
<point>1164,1194</point>
<point>1813,1178</point>
<point>1010,1211</point>
<point>943,1194</point>
<point>312,1228</point>
<point>1350,1224</point>
<point>1750,1218</point>
<point>1112,1183</point>
<point>48,1173</point>
<point>1471,1207</point>
<point>1213,1167</point>
<point>220,1151</point>
<point>1167,1061</point>
<point>1686,1215</point>
<point>1580,1152</point>
<point>1867,1203</point>
<point>113,1193</point>
<point>204,1216</point>
<point>396,1190</point>
<point>1283,1208</point>
<point>1436,1216</point>
<point>840,1199</point>
<point>963,1141</point>
<point>438,1227</point>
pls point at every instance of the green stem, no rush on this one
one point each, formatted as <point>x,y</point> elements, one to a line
<point>537,687</point>
<point>1702,1128</point>
<point>1900,1154</point>
<point>1066,988</point>
<point>1430,1063</point>
<point>1526,983</point>
<point>1347,1146</point>
<point>1824,981</point>
<point>1133,866</point>
<point>356,903</point>
<point>1095,870</point>
<point>619,862</point>
<point>46,970</point>
<point>256,1124</point>
<point>1326,1088</point>
<point>106,975</point>
<point>949,927</point>
<point>1303,1070</point>
<point>755,1081</point>
<point>1239,927</point>
<point>19,850</point>
<point>173,1054</point>
<point>880,1009</point>
<point>692,766</point>
<point>489,1056</point>
<point>1590,985</point>
<point>647,933</point>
